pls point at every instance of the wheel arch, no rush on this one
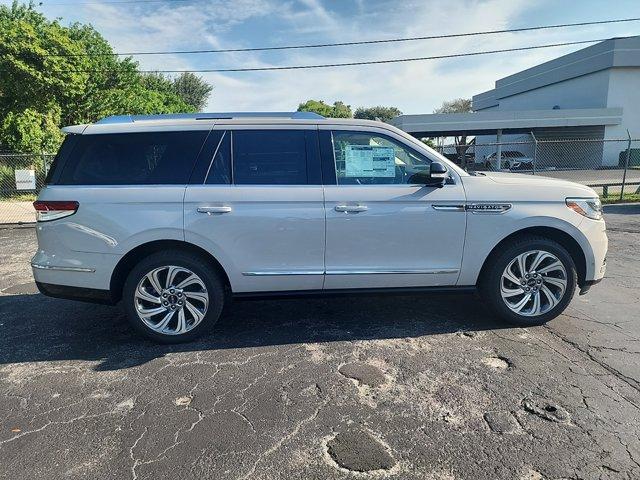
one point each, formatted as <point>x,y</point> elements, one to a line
<point>560,236</point>
<point>131,258</point>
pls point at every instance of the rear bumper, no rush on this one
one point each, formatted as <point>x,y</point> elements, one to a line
<point>75,269</point>
<point>91,295</point>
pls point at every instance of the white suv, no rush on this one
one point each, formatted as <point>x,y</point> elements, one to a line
<point>510,160</point>
<point>175,214</point>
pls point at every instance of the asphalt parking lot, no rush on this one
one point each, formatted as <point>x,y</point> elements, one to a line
<point>407,387</point>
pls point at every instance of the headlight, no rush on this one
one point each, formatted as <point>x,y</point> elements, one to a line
<point>588,207</point>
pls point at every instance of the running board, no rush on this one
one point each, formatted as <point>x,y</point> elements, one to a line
<point>353,292</point>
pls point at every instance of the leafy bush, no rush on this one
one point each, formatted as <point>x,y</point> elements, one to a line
<point>7,180</point>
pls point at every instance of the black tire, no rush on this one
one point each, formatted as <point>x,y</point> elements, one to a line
<point>491,280</point>
<point>215,288</point>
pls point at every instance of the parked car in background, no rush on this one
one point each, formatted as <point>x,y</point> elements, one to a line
<point>510,160</point>
<point>174,215</point>
<point>461,160</point>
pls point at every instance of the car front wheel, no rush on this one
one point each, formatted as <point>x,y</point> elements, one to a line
<point>530,282</point>
<point>173,296</point>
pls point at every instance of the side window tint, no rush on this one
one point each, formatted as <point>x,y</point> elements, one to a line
<point>269,157</point>
<point>370,159</point>
<point>220,169</point>
<point>133,158</point>
<point>61,157</point>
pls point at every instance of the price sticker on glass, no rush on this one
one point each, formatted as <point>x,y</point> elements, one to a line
<point>369,161</point>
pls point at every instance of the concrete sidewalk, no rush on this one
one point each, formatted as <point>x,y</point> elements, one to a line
<point>17,212</point>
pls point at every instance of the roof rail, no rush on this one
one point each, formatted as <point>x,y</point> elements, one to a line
<point>209,116</point>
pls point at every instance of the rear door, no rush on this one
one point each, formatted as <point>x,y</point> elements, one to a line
<point>382,229</point>
<point>258,207</point>
<point>129,183</point>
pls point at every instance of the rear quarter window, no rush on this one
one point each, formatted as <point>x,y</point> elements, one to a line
<point>59,160</point>
<point>156,158</point>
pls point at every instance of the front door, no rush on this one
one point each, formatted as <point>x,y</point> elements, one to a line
<point>382,230</point>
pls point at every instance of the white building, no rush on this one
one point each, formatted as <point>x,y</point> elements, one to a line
<point>593,93</point>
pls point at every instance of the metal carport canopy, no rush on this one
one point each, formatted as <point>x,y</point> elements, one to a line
<point>509,121</point>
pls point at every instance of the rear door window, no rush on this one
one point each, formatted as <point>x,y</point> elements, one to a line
<point>153,158</point>
<point>269,157</point>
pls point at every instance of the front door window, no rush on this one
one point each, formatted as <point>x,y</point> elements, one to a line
<point>371,159</point>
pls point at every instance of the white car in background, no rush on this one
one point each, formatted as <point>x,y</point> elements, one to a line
<point>174,215</point>
<point>510,160</point>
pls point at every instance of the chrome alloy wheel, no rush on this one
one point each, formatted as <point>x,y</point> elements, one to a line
<point>533,283</point>
<point>171,300</point>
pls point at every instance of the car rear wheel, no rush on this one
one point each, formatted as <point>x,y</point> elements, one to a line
<point>530,282</point>
<point>173,296</point>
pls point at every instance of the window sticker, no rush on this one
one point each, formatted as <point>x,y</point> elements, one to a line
<point>369,161</point>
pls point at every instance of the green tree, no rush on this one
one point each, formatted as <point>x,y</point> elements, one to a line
<point>340,110</point>
<point>52,75</point>
<point>384,114</point>
<point>165,93</point>
<point>30,131</point>
<point>429,142</point>
<point>458,105</point>
<point>192,89</point>
<point>337,110</point>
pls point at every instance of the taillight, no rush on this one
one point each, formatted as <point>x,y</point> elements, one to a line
<point>52,210</point>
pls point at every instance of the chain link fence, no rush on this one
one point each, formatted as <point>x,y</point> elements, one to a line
<point>21,178</point>
<point>610,166</point>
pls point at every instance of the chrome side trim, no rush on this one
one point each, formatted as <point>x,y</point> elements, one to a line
<point>212,210</point>
<point>62,269</point>
<point>485,208</point>
<point>273,273</point>
<point>449,208</point>
<point>428,271</point>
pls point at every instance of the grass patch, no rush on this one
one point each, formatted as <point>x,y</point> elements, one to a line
<point>615,198</point>
<point>19,197</point>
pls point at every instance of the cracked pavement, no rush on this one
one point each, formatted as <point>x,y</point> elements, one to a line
<point>408,387</point>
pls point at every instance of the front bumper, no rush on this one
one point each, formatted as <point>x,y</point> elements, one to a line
<point>595,233</point>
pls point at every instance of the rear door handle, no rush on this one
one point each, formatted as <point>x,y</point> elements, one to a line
<point>212,210</point>
<point>351,208</point>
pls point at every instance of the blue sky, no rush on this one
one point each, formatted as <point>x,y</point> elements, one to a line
<point>416,87</point>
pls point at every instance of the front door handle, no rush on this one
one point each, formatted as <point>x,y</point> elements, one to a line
<point>212,210</point>
<point>351,208</point>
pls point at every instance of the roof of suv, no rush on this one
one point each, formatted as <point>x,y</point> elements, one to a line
<point>123,123</point>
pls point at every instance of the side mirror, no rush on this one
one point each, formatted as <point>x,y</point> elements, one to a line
<point>435,177</point>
